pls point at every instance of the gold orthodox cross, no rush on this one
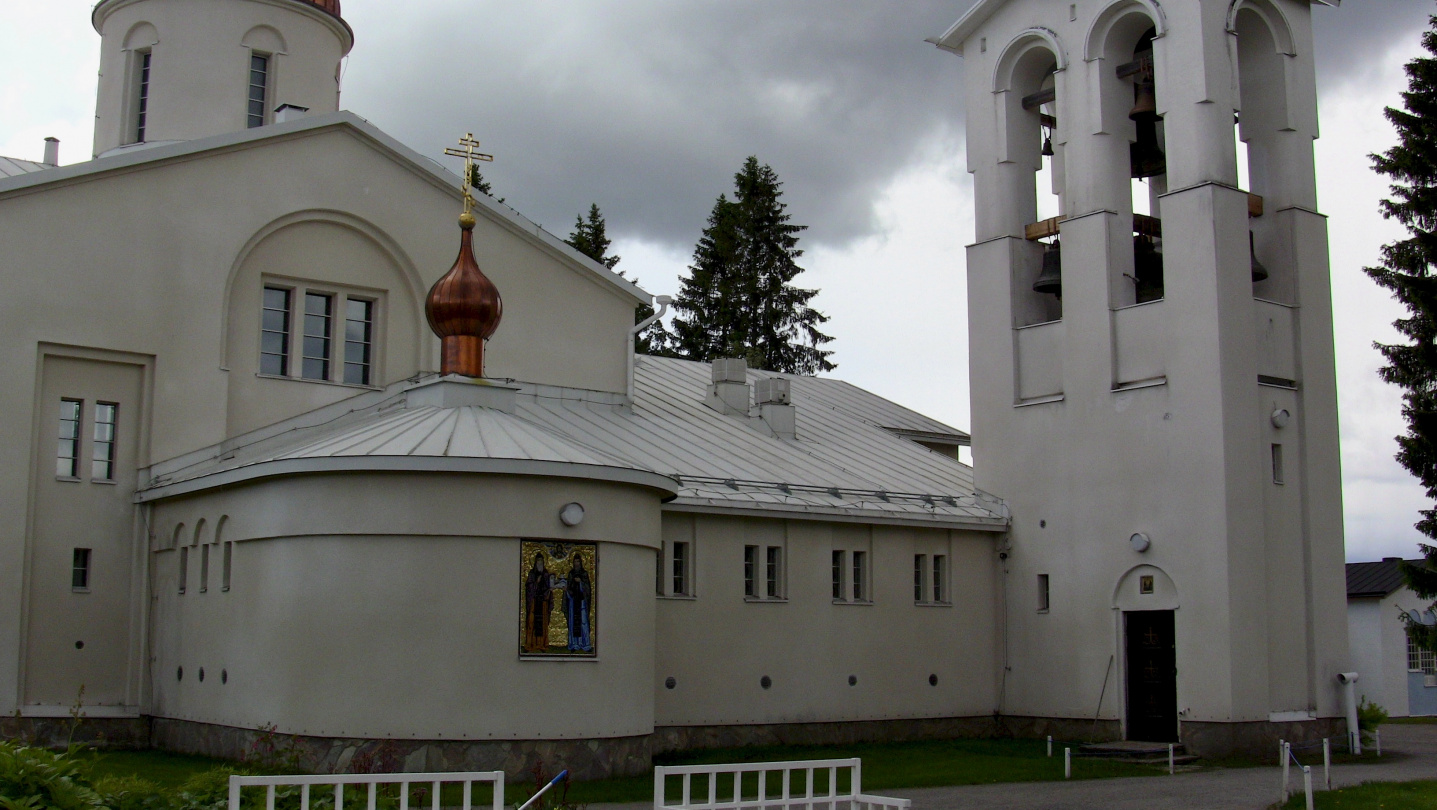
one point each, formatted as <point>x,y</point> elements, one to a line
<point>468,147</point>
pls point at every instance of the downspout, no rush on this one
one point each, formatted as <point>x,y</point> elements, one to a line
<point>1349,693</point>
<point>663,301</point>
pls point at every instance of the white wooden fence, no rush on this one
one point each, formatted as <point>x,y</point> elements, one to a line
<point>759,798</point>
<point>434,781</point>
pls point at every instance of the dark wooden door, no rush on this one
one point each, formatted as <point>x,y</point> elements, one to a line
<point>1152,676</point>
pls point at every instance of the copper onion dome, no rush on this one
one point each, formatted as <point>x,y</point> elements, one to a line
<point>331,6</point>
<point>464,309</point>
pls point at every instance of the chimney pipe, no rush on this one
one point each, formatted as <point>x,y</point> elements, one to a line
<point>52,152</point>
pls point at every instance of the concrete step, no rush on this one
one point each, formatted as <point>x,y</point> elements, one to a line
<point>1136,751</point>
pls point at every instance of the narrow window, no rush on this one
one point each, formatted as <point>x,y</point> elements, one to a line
<point>318,311</point>
<point>80,570</point>
<point>1042,593</point>
<point>940,566</point>
<point>102,465</point>
<point>274,341</point>
<point>659,571</point>
<point>918,577</point>
<point>775,563</point>
<point>838,575</point>
<point>860,576</point>
<point>67,456</point>
<point>750,570</point>
<point>225,570</point>
<point>1277,464</point>
<point>258,88</point>
<point>204,568</point>
<point>358,341</point>
<point>142,96</point>
<point>681,569</point>
<point>184,566</point>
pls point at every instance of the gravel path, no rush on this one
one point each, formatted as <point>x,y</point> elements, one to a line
<point>1221,789</point>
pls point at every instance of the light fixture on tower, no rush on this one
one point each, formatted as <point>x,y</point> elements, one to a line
<point>464,307</point>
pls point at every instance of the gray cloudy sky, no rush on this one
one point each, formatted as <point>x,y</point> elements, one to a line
<point>647,107</point>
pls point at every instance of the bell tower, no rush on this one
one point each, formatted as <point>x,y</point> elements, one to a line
<point>1154,394</point>
<point>173,70</point>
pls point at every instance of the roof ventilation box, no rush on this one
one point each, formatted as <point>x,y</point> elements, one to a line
<point>775,405</point>
<point>729,392</point>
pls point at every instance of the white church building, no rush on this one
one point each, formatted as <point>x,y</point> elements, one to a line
<point>267,465</point>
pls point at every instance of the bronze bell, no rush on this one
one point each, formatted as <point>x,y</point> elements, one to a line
<point>1051,279</point>
<point>1145,157</point>
<point>1147,269</point>
<point>1146,106</point>
<point>1048,145</point>
<point>1259,273</point>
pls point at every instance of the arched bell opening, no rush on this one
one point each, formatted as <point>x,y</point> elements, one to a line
<point>1263,139</point>
<point>1035,146</point>
<point>1135,157</point>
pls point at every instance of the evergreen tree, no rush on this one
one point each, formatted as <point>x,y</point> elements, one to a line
<point>739,299</point>
<point>479,183</point>
<point>1407,270</point>
<point>590,238</point>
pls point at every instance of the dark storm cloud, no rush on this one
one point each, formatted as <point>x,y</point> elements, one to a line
<point>1352,39</point>
<point>649,108</point>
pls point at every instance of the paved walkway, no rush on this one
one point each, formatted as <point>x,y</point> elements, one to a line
<point>1219,789</point>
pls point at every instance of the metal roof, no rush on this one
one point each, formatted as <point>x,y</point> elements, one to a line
<point>11,167</point>
<point>1375,578</point>
<point>843,466</point>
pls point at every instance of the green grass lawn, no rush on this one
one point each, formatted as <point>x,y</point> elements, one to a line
<point>1372,796</point>
<point>886,766</point>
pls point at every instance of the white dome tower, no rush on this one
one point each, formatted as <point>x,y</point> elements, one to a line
<point>174,70</point>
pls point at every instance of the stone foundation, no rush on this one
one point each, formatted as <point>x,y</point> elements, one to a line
<point>1059,728</point>
<point>1257,739</point>
<point>585,759</point>
<point>669,739</point>
<point>97,732</point>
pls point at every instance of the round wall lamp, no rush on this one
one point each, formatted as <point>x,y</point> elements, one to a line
<point>1280,418</point>
<point>572,514</point>
<point>1140,542</point>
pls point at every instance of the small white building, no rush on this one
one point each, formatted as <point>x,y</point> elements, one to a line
<point>1395,673</point>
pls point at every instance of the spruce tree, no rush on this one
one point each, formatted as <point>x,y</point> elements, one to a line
<point>1407,270</point>
<point>480,184</point>
<point>590,238</point>
<point>739,299</point>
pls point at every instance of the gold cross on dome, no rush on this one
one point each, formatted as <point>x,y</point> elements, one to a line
<point>468,147</point>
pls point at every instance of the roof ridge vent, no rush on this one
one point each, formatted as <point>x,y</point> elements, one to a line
<point>775,405</point>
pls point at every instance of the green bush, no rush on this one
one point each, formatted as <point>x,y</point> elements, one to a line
<point>36,779</point>
<point>1369,717</point>
<point>132,793</point>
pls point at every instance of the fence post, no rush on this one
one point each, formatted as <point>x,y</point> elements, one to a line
<point>1050,745</point>
<point>234,793</point>
<point>1067,763</point>
<point>1285,759</point>
<point>1172,765</point>
<point>1327,762</point>
<point>1307,784</point>
<point>1377,739</point>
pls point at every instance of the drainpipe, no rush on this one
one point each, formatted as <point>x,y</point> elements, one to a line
<point>663,301</point>
<point>1349,693</point>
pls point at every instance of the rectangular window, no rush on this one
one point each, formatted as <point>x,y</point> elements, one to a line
<point>1420,660</point>
<point>102,464</point>
<point>80,570</point>
<point>358,340</point>
<point>142,96</point>
<point>274,337</point>
<point>838,569</point>
<point>204,568</point>
<point>750,570</point>
<point>860,576</point>
<point>1277,464</point>
<point>940,573</point>
<point>659,570</point>
<point>225,570</point>
<point>184,566</point>
<point>1042,593</point>
<point>920,576</point>
<point>774,572</point>
<point>258,88</point>
<point>681,569</point>
<point>318,311</point>
<point>67,456</point>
